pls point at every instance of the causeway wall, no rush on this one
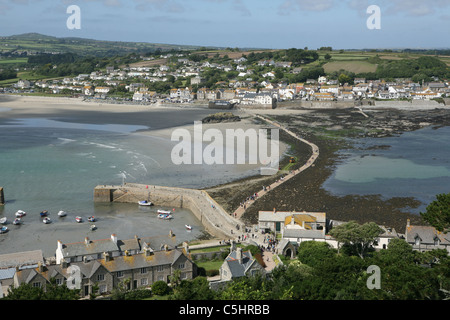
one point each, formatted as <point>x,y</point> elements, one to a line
<point>214,218</point>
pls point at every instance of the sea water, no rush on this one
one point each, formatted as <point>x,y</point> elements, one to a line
<point>53,165</point>
<point>414,164</point>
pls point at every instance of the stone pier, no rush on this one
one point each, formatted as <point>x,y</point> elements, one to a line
<point>214,218</point>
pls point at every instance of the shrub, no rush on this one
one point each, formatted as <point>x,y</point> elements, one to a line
<point>160,288</point>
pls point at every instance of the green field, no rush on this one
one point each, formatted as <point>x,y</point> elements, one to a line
<point>5,62</point>
<point>352,66</point>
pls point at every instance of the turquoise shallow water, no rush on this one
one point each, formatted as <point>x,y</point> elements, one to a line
<point>51,165</point>
<point>416,164</point>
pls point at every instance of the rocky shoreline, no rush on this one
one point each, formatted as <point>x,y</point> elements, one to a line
<point>328,130</point>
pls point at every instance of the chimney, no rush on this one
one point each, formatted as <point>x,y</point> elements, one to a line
<point>106,256</point>
<point>40,267</point>
<point>114,238</point>
<point>86,240</point>
<point>186,247</point>
<point>408,223</point>
<point>233,246</point>
<point>60,245</point>
<point>64,264</point>
<point>166,247</point>
<point>239,255</point>
<point>171,233</point>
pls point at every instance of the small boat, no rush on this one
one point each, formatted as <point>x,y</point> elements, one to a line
<point>62,214</point>
<point>165,216</point>
<point>3,220</point>
<point>44,213</point>
<point>188,227</point>
<point>163,212</point>
<point>47,220</point>
<point>79,219</point>
<point>17,221</point>
<point>145,203</point>
<point>92,219</point>
<point>20,214</point>
<point>3,229</point>
<point>93,227</point>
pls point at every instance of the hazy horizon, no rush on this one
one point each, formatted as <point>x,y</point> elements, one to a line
<point>274,24</point>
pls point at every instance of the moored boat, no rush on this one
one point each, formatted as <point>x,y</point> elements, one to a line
<point>3,229</point>
<point>165,216</point>
<point>93,227</point>
<point>163,212</point>
<point>78,219</point>
<point>188,227</point>
<point>44,213</point>
<point>3,220</point>
<point>17,221</point>
<point>145,203</point>
<point>62,214</point>
<point>46,220</point>
<point>20,214</point>
<point>92,219</point>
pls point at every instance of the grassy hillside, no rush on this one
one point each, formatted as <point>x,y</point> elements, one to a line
<point>43,43</point>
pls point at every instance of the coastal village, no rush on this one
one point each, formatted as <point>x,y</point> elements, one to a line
<point>240,90</point>
<point>103,264</point>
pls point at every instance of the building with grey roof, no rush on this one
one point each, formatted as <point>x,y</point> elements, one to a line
<point>239,264</point>
<point>425,238</point>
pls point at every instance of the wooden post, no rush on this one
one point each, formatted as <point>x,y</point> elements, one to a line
<point>2,197</point>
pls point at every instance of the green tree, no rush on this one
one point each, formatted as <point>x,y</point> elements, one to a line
<point>160,288</point>
<point>438,212</point>
<point>356,236</point>
<point>25,292</point>
<point>311,252</point>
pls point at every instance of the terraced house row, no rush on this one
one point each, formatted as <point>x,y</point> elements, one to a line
<point>101,264</point>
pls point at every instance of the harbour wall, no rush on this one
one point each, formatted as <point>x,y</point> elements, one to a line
<point>301,104</point>
<point>213,217</point>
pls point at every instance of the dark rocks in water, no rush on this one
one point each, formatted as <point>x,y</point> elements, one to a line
<point>221,117</point>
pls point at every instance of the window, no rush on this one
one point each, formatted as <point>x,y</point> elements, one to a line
<point>160,268</point>
<point>143,270</point>
<point>144,281</point>
<point>59,281</point>
<point>119,274</point>
<point>36,284</point>
<point>102,288</point>
<point>417,241</point>
<point>100,277</point>
<point>181,266</point>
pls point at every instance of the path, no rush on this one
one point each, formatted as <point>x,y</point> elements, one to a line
<point>241,210</point>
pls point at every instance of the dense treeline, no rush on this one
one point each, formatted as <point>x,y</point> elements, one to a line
<point>8,74</point>
<point>296,56</point>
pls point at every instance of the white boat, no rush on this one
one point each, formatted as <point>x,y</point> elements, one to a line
<point>62,214</point>
<point>3,220</point>
<point>93,227</point>
<point>46,220</point>
<point>145,203</point>
<point>189,227</point>
<point>20,214</point>
<point>92,219</point>
<point>79,219</point>
<point>3,229</point>
<point>17,221</point>
<point>165,216</point>
<point>163,212</point>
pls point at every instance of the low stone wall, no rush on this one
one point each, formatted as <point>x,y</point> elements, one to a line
<point>302,104</point>
<point>406,105</point>
<point>214,218</point>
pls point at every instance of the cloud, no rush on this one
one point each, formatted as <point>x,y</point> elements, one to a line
<point>408,7</point>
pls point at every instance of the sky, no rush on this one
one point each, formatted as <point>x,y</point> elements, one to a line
<point>273,24</point>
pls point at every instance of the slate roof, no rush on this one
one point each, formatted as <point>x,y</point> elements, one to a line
<point>238,269</point>
<point>93,247</point>
<point>302,233</point>
<point>158,258</point>
<point>427,235</point>
<point>18,259</point>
